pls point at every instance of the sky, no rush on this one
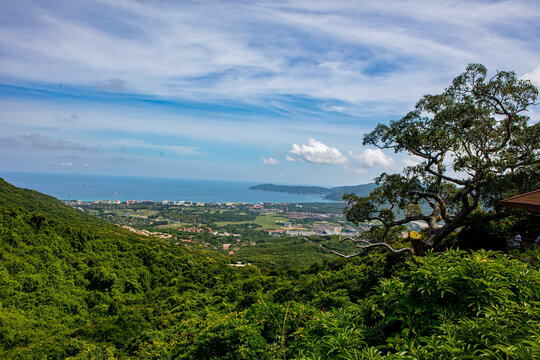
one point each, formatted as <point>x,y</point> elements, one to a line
<point>260,91</point>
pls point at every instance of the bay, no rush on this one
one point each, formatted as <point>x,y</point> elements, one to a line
<point>102,187</point>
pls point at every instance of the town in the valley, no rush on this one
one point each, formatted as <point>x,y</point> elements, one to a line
<point>238,229</point>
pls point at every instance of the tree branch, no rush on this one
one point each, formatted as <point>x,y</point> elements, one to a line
<point>408,219</point>
<point>445,177</point>
<point>370,246</point>
<point>436,197</point>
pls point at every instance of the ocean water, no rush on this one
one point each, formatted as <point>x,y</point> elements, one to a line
<point>98,187</point>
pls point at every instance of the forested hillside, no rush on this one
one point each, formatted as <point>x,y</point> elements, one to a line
<point>31,200</point>
<point>74,287</point>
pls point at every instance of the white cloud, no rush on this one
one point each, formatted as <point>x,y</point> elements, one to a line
<point>338,108</point>
<point>412,160</point>
<point>319,153</point>
<point>289,158</point>
<point>534,76</point>
<point>270,161</point>
<point>372,158</point>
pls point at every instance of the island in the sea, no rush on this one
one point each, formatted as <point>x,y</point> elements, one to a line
<point>335,193</point>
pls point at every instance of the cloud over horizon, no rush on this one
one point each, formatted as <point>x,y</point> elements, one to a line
<point>318,153</point>
<point>270,161</point>
<point>372,158</point>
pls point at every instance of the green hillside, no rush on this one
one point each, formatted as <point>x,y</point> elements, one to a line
<point>292,252</point>
<point>337,193</point>
<point>70,282</point>
<point>31,200</point>
<point>74,287</point>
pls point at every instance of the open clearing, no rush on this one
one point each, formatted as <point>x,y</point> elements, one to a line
<point>265,221</point>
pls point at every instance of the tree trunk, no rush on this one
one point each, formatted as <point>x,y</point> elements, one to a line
<point>419,247</point>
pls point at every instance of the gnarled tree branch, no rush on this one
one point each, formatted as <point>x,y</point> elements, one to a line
<point>369,245</point>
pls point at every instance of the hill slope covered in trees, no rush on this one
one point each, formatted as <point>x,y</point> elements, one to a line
<point>74,287</point>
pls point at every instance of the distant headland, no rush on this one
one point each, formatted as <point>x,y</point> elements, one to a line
<point>335,193</point>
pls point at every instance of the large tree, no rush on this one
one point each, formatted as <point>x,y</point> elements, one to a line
<point>472,143</point>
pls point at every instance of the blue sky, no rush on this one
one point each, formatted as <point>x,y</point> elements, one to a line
<point>264,91</point>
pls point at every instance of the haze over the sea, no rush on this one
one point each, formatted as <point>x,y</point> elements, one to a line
<point>97,187</point>
<point>260,91</point>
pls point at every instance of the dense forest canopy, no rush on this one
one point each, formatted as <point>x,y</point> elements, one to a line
<point>72,286</point>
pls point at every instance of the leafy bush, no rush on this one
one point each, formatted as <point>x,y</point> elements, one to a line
<point>457,304</point>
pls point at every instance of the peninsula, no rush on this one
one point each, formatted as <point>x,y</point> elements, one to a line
<point>335,193</point>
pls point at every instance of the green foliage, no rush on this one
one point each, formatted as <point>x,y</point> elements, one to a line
<point>474,144</point>
<point>88,290</point>
<point>229,337</point>
<point>206,217</point>
<point>289,252</point>
<point>81,281</point>
<point>11,196</point>
<point>457,305</point>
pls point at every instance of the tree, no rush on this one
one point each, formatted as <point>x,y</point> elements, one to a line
<point>473,144</point>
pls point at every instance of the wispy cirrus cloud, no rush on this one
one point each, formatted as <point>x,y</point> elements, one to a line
<point>157,148</point>
<point>340,51</point>
<point>38,141</point>
<point>113,84</point>
<point>66,164</point>
<point>215,81</point>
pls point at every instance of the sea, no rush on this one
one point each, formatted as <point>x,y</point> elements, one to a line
<point>100,187</point>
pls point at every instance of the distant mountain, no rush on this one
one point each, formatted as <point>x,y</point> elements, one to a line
<point>335,193</point>
<point>360,190</point>
<point>291,189</point>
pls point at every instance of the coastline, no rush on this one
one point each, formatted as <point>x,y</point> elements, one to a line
<point>123,188</point>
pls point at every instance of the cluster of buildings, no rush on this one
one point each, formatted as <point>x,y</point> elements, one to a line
<point>295,215</point>
<point>152,202</point>
<point>195,229</point>
<point>260,209</point>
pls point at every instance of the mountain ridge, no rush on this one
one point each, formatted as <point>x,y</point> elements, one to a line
<point>333,193</point>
